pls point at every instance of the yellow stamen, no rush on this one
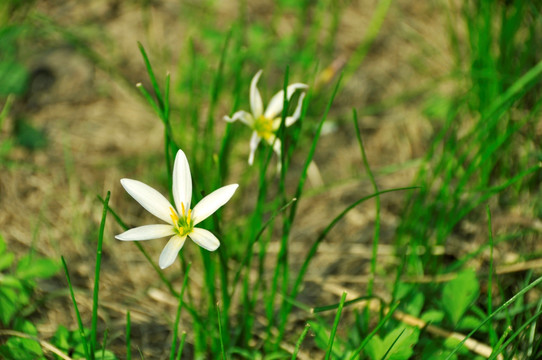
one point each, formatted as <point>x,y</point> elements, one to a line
<point>173,215</point>
<point>264,127</point>
<point>184,211</point>
<point>188,217</point>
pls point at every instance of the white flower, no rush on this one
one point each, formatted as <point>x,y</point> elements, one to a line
<point>181,220</point>
<point>266,123</point>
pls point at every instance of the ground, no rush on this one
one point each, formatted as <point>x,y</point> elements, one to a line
<point>99,130</point>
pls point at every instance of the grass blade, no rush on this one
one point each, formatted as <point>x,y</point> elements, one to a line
<point>503,306</point>
<point>335,325</point>
<point>366,340</point>
<point>377,199</point>
<point>77,314</point>
<point>178,315</point>
<point>300,341</point>
<point>97,276</point>
<point>128,336</point>
<point>221,335</point>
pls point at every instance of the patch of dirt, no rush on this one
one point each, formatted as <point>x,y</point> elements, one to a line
<point>99,130</point>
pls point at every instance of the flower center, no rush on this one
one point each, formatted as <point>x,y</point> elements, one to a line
<point>184,224</point>
<point>263,127</point>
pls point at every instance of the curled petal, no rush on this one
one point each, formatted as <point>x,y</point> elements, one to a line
<point>274,108</point>
<point>205,239</point>
<point>212,202</point>
<point>172,248</point>
<point>242,116</point>
<point>297,113</point>
<point>150,199</point>
<point>254,141</point>
<point>146,232</point>
<point>256,104</point>
<point>182,181</point>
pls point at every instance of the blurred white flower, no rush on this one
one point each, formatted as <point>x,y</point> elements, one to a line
<point>181,220</point>
<point>266,123</point>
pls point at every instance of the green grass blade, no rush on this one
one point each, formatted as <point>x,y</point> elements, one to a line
<point>128,336</point>
<point>151,75</point>
<point>376,236</point>
<point>181,346</point>
<point>492,332</point>
<point>300,341</point>
<point>503,306</point>
<point>336,306</point>
<point>531,320</point>
<point>334,328</point>
<point>248,252</point>
<point>393,344</point>
<point>220,332</point>
<point>310,155</point>
<point>323,234</point>
<point>77,314</point>
<point>97,276</point>
<point>106,333</point>
<point>381,323</point>
<point>178,315</point>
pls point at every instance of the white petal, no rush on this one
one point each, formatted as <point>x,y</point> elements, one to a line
<point>212,202</point>
<point>254,141</point>
<point>243,116</point>
<point>277,147</point>
<point>274,108</point>
<point>150,199</point>
<point>182,182</point>
<point>205,239</point>
<point>256,104</point>
<point>172,248</point>
<point>146,232</point>
<point>297,113</point>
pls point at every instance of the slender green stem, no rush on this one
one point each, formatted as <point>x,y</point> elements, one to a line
<point>490,276</point>
<point>181,345</point>
<point>128,336</point>
<point>77,314</point>
<point>178,315</point>
<point>97,277</point>
<point>220,331</point>
<point>300,341</point>
<point>335,326</point>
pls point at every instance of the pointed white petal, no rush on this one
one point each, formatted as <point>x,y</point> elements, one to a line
<point>297,113</point>
<point>150,199</point>
<point>256,104</point>
<point>146,232</point>
<point>182,182</point>
<point>254,141</point>
<point>205,239</point>
<point>242,116</point>
<point>274,108</point>
<point>212,202</point>
<point>172,248</point>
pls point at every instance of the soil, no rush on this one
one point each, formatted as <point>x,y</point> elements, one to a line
<point>99,130</point>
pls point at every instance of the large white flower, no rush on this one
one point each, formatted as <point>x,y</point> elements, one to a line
<point>181,220</point>
<point>266,123</point>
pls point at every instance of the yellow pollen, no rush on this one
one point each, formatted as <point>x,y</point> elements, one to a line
<point>173,216</point>
<point>264,127</point>
<point>188,217</point>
